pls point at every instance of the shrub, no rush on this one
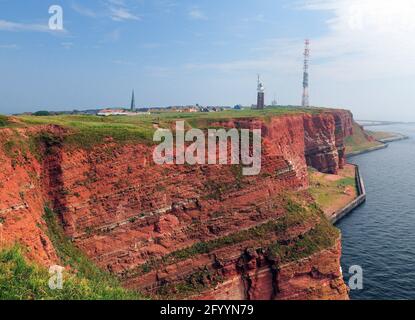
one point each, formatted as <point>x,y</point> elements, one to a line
<point>41,113</point>
<point>4,121</point>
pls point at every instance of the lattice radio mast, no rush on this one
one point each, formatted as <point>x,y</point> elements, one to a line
<point>305,102</point>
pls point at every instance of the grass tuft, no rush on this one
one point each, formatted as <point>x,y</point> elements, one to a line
<point>21,280</point>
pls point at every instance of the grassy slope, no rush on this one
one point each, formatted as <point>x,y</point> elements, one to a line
<point>330,193</point>
<point>21,280</point>
<point>359,141</point>
<point>4,121</point>
<point>83,280</point>
<point>379,135</point>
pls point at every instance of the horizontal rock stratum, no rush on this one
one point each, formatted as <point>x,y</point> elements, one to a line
<point>181,231</point>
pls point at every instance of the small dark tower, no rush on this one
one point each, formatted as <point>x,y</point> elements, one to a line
<point>261,95</point>
<point>132,103</point>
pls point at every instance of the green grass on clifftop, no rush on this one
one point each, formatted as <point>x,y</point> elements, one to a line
<point>4,121</point>
<point>88,130</point>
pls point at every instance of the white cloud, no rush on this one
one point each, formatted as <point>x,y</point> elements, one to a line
<point>123,62</point>
<point>157,71</point>
<point>257,18</point>
<point>15,26</point>
<point>67,45</point>
<point>282,56</point>
<point>84,10</point>
<point>9,46</point>
<point>362,61</point>
<point>121,14</point>
<point>28,27</point>
<point>197,14</point>
<point>119,11</point>
<point>117,2</point>
<point>365,39</point>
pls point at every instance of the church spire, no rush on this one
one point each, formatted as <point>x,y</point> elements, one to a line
<point>133,102</point>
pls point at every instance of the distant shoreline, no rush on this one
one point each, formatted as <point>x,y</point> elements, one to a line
<point>395,137</point>
<point>356,153</point>
<point>374,123</point>
<point>390,137</point>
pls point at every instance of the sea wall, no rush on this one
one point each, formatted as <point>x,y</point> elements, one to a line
<point>361,198</point>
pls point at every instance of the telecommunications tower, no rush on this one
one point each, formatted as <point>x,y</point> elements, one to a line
<point>305,103</point>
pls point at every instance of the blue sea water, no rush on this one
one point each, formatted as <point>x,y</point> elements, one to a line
<point>380,235</point>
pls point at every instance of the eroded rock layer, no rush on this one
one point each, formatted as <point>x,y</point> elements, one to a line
<point>185,231</point>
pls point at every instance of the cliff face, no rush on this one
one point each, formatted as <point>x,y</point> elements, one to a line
<point>317,277</point>
<point>324,140</point>
<point>22,198</point>
<point>194,231</point>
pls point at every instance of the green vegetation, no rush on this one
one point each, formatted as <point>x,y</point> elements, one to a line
<point>326,191</point>
<point>217,189</point>
<point>348,181</point>
<point>16,148</point>
<point>42,144</point>
<point>379,135</point>
<point>297,214</point>
<point>41,113</point>
<point>21,280</point>
<point>321,237</point>
<point>4,121</point>
<point>359,140</point>
<point>83,280</point>
<point>194,284</point>
<point>88,130</point>
<point>257,233</point>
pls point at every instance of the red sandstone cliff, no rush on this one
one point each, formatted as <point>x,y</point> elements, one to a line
<point>124,211</point>
<point>22,199</point>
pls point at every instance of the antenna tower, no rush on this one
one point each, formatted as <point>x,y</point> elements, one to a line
<point>305,102</point>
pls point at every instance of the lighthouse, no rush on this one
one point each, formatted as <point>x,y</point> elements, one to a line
<point>261,95</point>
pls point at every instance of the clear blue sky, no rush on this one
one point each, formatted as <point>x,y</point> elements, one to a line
<point>185,52</point>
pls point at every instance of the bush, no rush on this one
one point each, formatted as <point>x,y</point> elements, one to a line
<point>41,113</point>
<point>4,121</point>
